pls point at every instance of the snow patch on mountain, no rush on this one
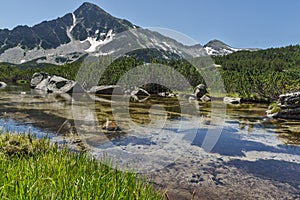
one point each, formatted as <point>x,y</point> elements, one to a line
<point>74,22</point>
<point>94,43</point>
<point>69,30</point>
<point>217,47</point>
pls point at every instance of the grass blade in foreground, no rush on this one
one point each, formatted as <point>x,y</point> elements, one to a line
<point>35,169</point>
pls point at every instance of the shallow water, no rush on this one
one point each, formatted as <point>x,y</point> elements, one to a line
<point>157,131</point>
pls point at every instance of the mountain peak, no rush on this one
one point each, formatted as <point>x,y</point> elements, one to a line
<point>88,4</point>
<point>217,47</point>
<point>216,43</point>
<point>72,35</point>
<point>90,21</point>
<point>87,7</point>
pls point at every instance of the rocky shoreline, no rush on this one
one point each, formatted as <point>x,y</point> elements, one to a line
<point>196,173</point>
<point>42,81</point>
<point>287,107</point>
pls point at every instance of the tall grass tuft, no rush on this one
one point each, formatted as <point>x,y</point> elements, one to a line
<point>33,168</point>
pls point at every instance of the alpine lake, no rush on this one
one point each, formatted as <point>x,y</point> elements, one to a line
<point>188,148</point>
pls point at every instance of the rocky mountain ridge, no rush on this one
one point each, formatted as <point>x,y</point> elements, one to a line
<point>86,31</point>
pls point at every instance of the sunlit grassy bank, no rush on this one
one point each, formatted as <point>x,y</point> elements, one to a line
<point>35,169</point>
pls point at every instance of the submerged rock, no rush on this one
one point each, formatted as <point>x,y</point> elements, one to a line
<point>189,96</point>
<point>287,107</point>
<point>111,125</point>
<point>232,100</point>
<point>3,85</point>
<point>107,89</point>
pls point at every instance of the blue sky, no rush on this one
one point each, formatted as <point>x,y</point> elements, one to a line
<point>240,23</point>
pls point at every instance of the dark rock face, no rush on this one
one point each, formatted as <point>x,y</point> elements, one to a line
<point>108,89</point>
<point>48,34</point>
<point>3,85</point>
<point>200,91</point>
<point>52,34</point>
<point>91,18</point>
<point>288,107</point>
<point>37,78</point>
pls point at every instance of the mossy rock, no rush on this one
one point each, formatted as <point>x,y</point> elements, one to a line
<point>275,108</point>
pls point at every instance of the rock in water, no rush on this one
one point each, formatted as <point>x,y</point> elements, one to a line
<point>290,99</point>
<point>111,125</point>
<point>37,78</point>
<point>43,85</point>
<point>139,92</point>
<point>232,100</point>
<point>189,96</point>
<point>3,85</point>
<point>107,89</point>
<point>205,98</point>
<point>288,107</point>
<point>59,84</point>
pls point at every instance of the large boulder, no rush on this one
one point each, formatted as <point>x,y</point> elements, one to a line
<point>287,107</point>
<point>290,99</point>
<point>59,84</point>
<point>43,85</point>
<point>200,91</point>
<point>3,85</point>
<point>37,78</point>
<point>107,89</point>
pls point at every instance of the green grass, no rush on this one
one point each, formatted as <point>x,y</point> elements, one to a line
<point>35,169</point>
